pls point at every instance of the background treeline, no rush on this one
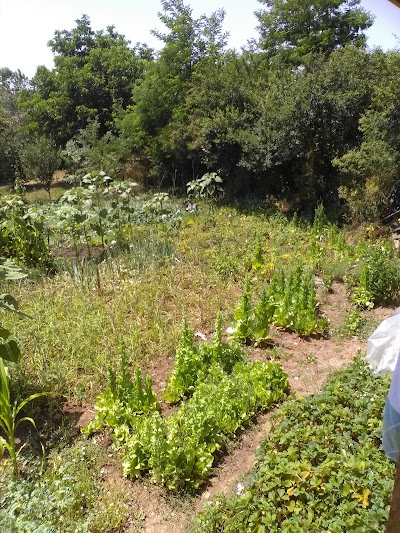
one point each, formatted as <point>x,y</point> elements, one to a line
<point>305,113</point>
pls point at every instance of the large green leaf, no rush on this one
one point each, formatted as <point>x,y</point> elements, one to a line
<point>9,303</point>
<point>10,271</point>
<point>9,351</point>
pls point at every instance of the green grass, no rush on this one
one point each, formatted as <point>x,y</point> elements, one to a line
<point>35,192</point>
<point>76,330</point>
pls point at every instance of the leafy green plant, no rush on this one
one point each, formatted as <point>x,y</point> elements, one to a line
<point>157,202</point>
<point>9,351</point>
<point>295,303</point>
<point>263,317</point>
<point>193,360</point>
<point>244,316</point>
<point>258,260</point>
<point>322,468</point>
<point>22,236</point>
<point>10,419</point>
<point>208,186</point>
<point>180,451</point>
<point>123,401</point>
<point>189,366</point>
<point>290,302</point>
<point>70,482</point>
<point>355,322</point>
<point>379,280</point>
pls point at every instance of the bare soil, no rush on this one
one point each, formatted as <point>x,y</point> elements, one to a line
<point>307,361</point>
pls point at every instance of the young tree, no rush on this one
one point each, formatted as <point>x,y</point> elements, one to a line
<point>89,152</point>
<point>40,159</point>
<point>159,100</point>
<point>370,172</point>
<point>11,122</point>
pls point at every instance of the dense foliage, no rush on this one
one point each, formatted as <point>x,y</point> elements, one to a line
<point>93,77</point>
<point>306,112</point>
<point>294,31</point>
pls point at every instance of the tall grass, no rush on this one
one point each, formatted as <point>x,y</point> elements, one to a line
<point>137,296</point>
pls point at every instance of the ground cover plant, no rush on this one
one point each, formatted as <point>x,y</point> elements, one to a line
<point>71,485</point>
<point>322,467</point>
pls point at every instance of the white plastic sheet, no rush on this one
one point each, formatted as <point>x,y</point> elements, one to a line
<point>384,346</point>
<point>383,356</point>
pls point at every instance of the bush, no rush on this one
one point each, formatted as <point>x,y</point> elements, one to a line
<point>22,236</point>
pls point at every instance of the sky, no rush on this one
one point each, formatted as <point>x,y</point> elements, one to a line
<point>27,25</point>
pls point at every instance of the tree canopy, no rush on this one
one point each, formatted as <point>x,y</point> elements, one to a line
<point>93,77</point>
<point>307,113</point>
<point>295,29</point>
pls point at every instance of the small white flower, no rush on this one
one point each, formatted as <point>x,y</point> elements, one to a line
<point>200,336</point>
<point>239,488</point>
<point>230,330</point>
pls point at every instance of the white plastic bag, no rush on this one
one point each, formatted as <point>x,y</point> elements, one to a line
<point>391,417</point>
<point>384,346</point>
<point>383,356</point>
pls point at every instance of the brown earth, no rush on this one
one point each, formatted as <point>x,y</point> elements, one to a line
<point>307,361</point>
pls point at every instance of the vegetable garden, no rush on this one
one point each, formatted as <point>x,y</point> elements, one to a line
<point>173,318</point>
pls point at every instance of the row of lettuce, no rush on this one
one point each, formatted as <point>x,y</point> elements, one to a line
<point>218,394</point>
